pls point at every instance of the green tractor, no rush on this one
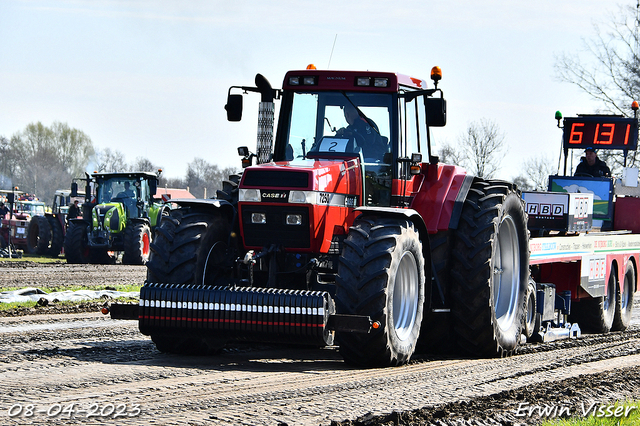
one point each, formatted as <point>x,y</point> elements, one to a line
<point>120,214</point>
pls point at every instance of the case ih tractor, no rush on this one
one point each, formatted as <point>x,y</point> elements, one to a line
<point>119,214</point>
<point>346,228</point>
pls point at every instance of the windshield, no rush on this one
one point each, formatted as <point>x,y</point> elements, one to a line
<point>30,208</point>
<point>117,188</point>
<point>340,122</point>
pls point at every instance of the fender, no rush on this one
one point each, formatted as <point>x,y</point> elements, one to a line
<point>441,196</point>
<point>207,204</point>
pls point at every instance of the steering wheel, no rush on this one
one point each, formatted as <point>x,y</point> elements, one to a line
<point>583,174</point>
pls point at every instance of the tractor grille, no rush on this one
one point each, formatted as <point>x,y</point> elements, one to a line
<point>275,230</point>
<point>276,179</point>
<point>236,312</point>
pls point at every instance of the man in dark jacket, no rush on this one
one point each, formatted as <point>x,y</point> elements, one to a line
<point>365,132</point>
<point>591,165</point>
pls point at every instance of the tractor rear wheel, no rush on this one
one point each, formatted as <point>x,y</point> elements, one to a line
<point>38,235</point>
<point>490,270</point>
<point>137,241</point>
<point>76,247</point>
<point>381,275</point>
<point>57,236</point>
<point>624,300</point>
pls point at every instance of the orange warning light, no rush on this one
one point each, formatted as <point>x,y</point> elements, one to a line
<point>311,67</point>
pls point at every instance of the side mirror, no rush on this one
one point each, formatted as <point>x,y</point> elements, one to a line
<point>74,189</point>
<point>153,187</point>
<point>436,110</point>
<point>234,107</point>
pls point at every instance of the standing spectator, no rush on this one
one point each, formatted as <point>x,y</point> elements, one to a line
<point>74,210</point>
<point>3,210</point>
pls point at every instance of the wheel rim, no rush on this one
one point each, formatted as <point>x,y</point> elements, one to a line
<point>145,244</point>
<point>609,299</point>
<point>506,274</point>
<point>531,312</point>
<point>405,296</point>
<point>628,284</point>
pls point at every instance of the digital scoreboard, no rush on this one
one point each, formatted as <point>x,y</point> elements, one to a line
<point>600,132</point>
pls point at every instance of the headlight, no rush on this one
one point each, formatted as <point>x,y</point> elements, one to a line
<point>249,195</point>
<point>301,197</point>
<point>258,218</point>
<point>294,219</point>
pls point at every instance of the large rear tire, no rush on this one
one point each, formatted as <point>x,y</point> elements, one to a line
<point>137,241</point>
<point>490,270</point>
<point>624,300</point>
<point>381,275</point>
<point>76,247</point>
<point>38,235</point>
<point>57,236</point>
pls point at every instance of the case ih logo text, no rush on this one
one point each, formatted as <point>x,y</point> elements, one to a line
<point>275,195</point>
<point>539,209</point>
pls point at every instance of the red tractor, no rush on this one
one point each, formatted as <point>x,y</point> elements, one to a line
<point>348,228</point>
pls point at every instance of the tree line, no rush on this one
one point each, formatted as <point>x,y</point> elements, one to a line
<point>42,159</point>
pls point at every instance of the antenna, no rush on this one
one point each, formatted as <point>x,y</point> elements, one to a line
<point>333,47</point>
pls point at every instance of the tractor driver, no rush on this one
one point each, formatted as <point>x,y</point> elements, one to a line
<point>591,165</point>
<point>365,132</point>
<point>128,191</point>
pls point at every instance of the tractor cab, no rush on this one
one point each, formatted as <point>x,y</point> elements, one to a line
<point>380,119</point>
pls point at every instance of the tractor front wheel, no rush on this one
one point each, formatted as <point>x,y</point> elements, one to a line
<point>137,240</point>
<point>381,275</point>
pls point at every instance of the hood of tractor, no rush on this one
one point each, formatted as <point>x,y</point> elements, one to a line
<point>301,204</point>
<point>109,217</point>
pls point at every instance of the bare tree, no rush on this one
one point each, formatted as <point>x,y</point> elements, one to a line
<point>449,155</point>
<point>143,165</point>
<point>536,173</point>
<point>109,161</point>
<point>482,147</point>
<point>609,69</point>
<point>73,147</point>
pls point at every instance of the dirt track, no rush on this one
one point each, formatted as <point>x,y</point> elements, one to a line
<point>107,372</point>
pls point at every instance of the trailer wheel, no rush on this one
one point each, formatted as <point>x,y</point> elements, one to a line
<point>381,275</point>
<point>624,300</point>
<point>57,236</point>
<point>38,235</point>
<point>531,323</point>
<point>490,270</point>
<point>596,314</point>
<point>76,246</point>
<point>137,240</point>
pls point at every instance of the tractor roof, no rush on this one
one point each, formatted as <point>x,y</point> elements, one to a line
<point>374,81</point>
<point>146,175</point>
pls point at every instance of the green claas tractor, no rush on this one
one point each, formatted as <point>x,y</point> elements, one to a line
<point>120,214</point>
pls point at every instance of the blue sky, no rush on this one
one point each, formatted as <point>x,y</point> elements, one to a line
<point>150,78</point>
